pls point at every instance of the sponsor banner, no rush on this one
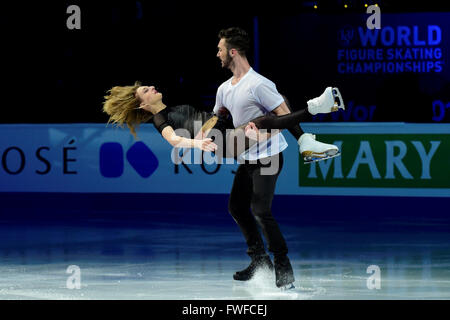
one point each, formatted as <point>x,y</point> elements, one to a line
<point>393,159</point>
<point>381,159</point>
<point>96,158</point>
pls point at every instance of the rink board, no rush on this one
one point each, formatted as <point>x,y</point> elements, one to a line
<point>378,159</point>
<point>62,170</point>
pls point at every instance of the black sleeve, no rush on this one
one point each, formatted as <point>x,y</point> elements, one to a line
<point>160,121</point>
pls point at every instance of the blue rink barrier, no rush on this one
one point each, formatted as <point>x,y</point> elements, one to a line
<point>141,210</point>
<point>78,171</point>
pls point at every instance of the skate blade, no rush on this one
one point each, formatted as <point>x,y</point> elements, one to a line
<point>287,287</point>
<point>316,159</point>
<point>324,154</point>
<point>338,101</point>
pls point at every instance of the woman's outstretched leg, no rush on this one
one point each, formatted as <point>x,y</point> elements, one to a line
<point>326,103</point>
<point>311,150</point>
<point>235,142</point>
<point>296,130</point>
<point>282,122</point>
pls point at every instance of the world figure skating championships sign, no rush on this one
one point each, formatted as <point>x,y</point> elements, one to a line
<point>396,47</point>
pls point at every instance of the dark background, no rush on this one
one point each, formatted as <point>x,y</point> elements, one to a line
<point>51,74</point>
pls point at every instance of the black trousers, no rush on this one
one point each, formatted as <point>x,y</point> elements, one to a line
<point>250,205</point>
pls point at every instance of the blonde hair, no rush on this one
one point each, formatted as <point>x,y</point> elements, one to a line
<point>121,103</point>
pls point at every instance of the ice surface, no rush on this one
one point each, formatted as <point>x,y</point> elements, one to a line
<point>197,262</point>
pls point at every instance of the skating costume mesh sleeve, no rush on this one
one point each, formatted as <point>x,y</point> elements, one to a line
<point>160,120</point>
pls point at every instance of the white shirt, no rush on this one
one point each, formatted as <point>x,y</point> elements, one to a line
<point>252,97</point>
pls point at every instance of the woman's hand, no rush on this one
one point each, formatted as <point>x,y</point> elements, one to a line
<point>205,144</point>
<point>181,142</point>
<point>251,131</point>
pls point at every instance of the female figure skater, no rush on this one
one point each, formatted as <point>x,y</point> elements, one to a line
<point>139,104</point>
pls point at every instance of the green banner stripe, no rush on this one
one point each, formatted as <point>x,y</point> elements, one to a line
<point>382,161</point>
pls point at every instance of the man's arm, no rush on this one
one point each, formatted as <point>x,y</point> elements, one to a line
<point>265,95</point>
<point>282,109</point>
<point>252,132</point>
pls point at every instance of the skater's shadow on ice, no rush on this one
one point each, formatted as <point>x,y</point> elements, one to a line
<point>262,287</point>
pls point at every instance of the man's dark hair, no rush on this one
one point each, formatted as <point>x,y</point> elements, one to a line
<point>236,38</point>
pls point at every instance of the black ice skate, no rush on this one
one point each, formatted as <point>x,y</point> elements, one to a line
<point>260,262</point>
<point>284,275</point>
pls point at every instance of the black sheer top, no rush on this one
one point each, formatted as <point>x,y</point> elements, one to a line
<point>161,120</point>
<point>182,116</point>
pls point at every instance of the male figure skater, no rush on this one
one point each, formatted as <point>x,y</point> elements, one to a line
<point>247,95</point>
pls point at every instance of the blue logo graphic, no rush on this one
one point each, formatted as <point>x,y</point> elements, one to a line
<point>140,157</point>
<point>346,35</point>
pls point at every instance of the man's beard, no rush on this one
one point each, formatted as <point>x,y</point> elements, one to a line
<point>228,61</point>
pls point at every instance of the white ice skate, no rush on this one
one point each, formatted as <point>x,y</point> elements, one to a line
<point>329,101</point>
<point>312,150</point>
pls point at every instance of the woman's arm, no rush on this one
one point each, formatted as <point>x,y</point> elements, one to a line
<point>181,142</point>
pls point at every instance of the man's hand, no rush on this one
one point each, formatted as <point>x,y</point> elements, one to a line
<point>205,144</point>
